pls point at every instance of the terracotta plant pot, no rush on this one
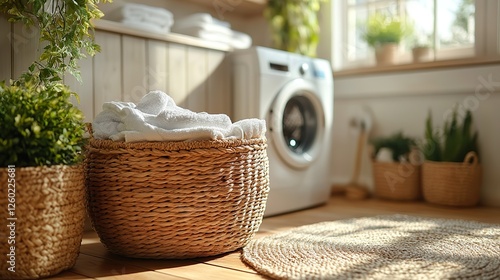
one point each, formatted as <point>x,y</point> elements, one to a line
<point>452,183</point>
<point>421,54</point>
<point>43,210</point>
<point>386,54</point>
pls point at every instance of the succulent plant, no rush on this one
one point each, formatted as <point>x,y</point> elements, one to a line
<point>453,142</point>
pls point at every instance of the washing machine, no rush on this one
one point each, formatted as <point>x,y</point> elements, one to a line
<point>294,94</point>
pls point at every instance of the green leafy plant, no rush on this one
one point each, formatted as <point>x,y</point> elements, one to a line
<point>294,24</point>
<point>64,28</point>
<point>39,125</point>
<point>382,29</point>
<point>452,143</point>
<point>399,144</point>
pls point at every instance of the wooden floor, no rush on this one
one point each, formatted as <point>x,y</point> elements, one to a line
<point>94,262</point>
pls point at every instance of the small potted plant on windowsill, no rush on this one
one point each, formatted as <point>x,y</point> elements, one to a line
<point>422,49</point>
<point>451,174</point>
<point>41,138</point>
<point>421,53</point>
<point>396,168</point>
<point>294,25</point>
<point>384,33</point>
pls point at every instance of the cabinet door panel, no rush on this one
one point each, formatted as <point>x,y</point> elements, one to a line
<point>219,84</point>
<point>107,70</point>
<point>85,89</point>
<point>197,76</point>
<point>25,48</point>
<point>5,49</point>
<point>157,69</point>
<point>135,82</point>
<point>177,73</point>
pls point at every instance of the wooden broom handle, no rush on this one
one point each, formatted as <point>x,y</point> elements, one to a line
<point>357,163</point>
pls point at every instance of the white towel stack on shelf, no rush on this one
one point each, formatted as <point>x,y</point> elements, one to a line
<point>157,118</point>
<point>204,26</point>
<point>143,17</point>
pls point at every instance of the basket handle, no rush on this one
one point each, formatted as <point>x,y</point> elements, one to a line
<point>472,158</point>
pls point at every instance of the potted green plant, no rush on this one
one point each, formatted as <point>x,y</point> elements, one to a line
<point>396,168</point>
<point>294,25</point>
<point>41,138</point>
<point>421,53</point>
<point>451,174</point>
<point>384,33</point>
<point>422,48</point>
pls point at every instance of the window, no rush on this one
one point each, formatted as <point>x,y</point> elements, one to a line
<point>453,29</point>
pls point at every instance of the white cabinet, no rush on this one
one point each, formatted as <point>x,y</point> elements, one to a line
<point>131,63</point>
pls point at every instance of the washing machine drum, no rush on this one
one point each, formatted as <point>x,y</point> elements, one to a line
<point>297,123</point>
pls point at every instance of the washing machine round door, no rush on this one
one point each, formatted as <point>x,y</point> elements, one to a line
<point>297,123</point>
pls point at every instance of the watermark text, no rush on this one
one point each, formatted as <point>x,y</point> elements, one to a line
<point>11,218</point>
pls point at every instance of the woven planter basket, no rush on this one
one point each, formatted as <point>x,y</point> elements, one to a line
<point>168,200</point>
<point>396,181</point>
<point>50,212</point>
<point>452,183</point>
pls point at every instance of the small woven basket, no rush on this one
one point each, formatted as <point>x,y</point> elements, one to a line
<point>396,181</point>
<point>49,212</point>
<point>452,183</point>
<point>167,200</point>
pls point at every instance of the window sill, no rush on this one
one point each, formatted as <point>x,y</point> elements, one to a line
<point>431,65</point>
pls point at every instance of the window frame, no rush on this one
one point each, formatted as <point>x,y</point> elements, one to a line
<point>486,47</point>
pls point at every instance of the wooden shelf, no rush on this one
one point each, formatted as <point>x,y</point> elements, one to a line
<point>116,27</point>
<point>246,8</point>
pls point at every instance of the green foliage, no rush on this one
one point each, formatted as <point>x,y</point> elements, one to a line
<point>294,24</point>
<point>39,126</point>
<point>399,144</point>
<point>465,10</point>
<point>64,26</point>
<point>453,143</point>
<point>38,123</point>
<point>382,29</point>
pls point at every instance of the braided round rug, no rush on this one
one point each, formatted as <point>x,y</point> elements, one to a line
<point>381,247</point>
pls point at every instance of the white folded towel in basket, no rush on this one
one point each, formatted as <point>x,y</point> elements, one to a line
<point>157,118</point>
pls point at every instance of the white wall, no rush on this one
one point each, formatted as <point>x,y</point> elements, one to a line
<point>401,102</point>
<point>398,101</point>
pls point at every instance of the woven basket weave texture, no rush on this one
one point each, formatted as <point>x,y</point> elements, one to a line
<point>452,183</point>
<point>387,247</point>
<point>396,181</point>
<point>50,212</point>
<point>176,199</point>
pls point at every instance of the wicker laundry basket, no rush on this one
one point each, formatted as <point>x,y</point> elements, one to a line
<point>452,183</point>
<point>396,181</point>
<point>45,217</point>
<point>168,200</point>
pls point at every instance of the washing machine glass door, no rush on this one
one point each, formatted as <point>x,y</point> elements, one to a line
<point>297,123</point>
